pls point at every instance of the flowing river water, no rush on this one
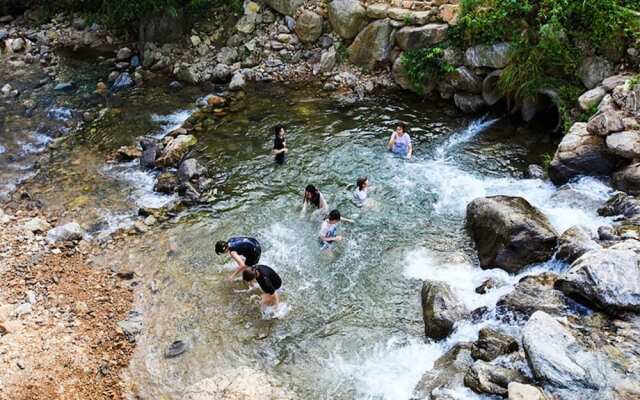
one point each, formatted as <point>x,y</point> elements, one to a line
<point>351,325</point>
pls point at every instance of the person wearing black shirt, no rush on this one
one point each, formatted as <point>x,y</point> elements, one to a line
<point>280,149</point>
<point>247,247</point>
<point>268,280</point>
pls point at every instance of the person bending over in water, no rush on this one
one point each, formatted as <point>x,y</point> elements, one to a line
<point>313,198</point>
<point>238,247</point>
<point>362,190</point>
<point>329,229</point>
<point>268,280</point>
<point>280,149</point>
<point>400,142</point>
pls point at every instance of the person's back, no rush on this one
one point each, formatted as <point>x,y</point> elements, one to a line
<point>268,279</point>
<point>247,247</point>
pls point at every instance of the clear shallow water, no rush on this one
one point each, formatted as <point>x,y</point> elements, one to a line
<point>352,325</point>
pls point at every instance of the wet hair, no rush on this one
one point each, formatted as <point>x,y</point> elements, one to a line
<point>315,195</point>
<point>360,182</point>
<point>334,215</point>
<point>277,129</point>
<point>221,246</point>
<point>248,274</point>
<point>403,126</point>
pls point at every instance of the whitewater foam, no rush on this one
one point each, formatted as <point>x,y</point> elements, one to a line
<point>169,122</point>
<point>474,129</point>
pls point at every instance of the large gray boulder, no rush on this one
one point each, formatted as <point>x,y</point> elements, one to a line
<point>189,169</point>
<point>308,26</point>
<point>441,309</point>
<point>494,56</point>
<point>464,80</point>
<point>620,204</point>
<point>553,353</point>
<point>605,123</point>
<point>417,37</point>
<point>469,103</point>
<point>535,293</point>
<point>486,378</point>
<point>591,98</point>
<point>581,153</point>
<point>347,17</point>
<point>492,344</point>
<point>574,242</point>
<point>447,373</point>
<point>490,90</point>
<point>372,46</point>
<point>285,7</point>
<point>594,70</point>
<point>400,75</point>
<point>509,233</point>
<point>625,144</point>
<point>608,279</point>
<point>626,97</point>
<point>628,179</point>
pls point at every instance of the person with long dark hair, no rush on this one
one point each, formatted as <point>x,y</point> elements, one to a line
<point>280,149</point>
<point>400,142</point>
<point>313,198</point>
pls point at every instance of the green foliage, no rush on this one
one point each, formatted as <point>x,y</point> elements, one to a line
<point>546,161</point>
<point>548,40</point>
<point>342,53</point>
<point>425,65</point>
<point>634,81</point>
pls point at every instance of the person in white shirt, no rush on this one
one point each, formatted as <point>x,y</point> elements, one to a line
<point>329,229</point>
<point>400,142</point>
<point>361,193</point>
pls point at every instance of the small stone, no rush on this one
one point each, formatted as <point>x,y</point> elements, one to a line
<point>196,41</point>
<point>126,275</point>
<point>175,349</point>
<point>22,309</point>
<point>237,82</point>
<point>36,225</point>
<point>17,45</point>
<point>150,220</point>
<point>140,227</point>
<point>64,87</point>
<point>123,54</point>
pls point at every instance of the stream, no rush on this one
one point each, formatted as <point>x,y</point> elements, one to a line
<point>351,326</point>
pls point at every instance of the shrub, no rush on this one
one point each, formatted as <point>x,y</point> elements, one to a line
<point>424,65</point>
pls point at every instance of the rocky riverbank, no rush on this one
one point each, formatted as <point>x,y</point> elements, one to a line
<point>59,313</point>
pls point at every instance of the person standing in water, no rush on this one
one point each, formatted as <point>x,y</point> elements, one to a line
<point>268,280</point>
<point>329,229</point>
<point>361,193</point>
<point>400,142</point>
<point>280,149</point>
<point>313,198</point>
<point>239,248</point>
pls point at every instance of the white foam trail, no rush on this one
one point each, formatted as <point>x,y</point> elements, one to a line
<point>141,183</point>
<point>2,149</point>
<point>574,204</point>
<point>390,370</point>
<point>36,146</point>
<point>476,127</point>
<point>169,122</point>
<point>59,113</point>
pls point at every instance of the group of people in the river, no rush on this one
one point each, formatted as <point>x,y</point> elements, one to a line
<point>246,251</point>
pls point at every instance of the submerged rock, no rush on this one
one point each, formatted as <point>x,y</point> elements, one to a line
<point>509,233</point>
<point>441,309</point>
<point>150,151</point>
<point>189,169</point>
<point>127,153</point>
<point>167,182</point>
<point>123,81</point>
<point>608,279</point>
<point>581,153</point>
<point>232,384</point>
<point>175,349</point>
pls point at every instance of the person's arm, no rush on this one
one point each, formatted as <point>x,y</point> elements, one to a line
<point>241,265</point>
<point>409,151</point>
<point>304,206</point>
<point>323,203</point>
<point>347,220</point>
<point>330,239</point>
<point>392,140</point>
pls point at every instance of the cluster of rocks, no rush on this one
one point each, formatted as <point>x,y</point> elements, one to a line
<point>609,143</point>
<point>171,157</point>
<point>580,326</point>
